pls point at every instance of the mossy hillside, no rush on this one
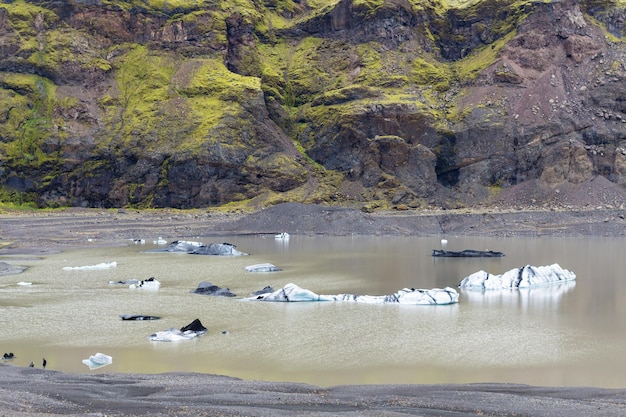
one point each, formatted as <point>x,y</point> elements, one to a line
<point>332,121</point>
<point>142,88</point>
<point>216,96</point>
<point>367,8</point>
<point>28,103</point>
<point>277,165</point>
<point>30,100</point>
<point>273,67</point>
<point>206,109</point>
<point>162,6</point>
<point>431,73</point>
<point>57,48</point>
<point>472,65</point>
<point>380,67</point>
<point>504,14</point>
<point>22,15</point>
<point>313,66</point>
<point>189,110</point>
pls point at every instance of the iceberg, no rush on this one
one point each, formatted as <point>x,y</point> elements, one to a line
<point>190,331</point>
<point>103,265</point>
<point>180,246</point>
<point>467,253</point>
<point>138,317</point>
<point>264,267</point>
<point>199,248</point>
<point>293,293</point>
<point>523,277</point>
<point>207,288</point>
<point>149,284</point>
<point>98,361</point>
<point>218,249</point>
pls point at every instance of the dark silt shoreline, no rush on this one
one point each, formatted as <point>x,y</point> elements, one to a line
<point>38,392</point>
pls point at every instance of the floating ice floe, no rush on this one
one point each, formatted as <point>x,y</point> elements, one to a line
<point>190,331</point>
<point>149,284</point>
<point>138,317</point>
<point>199,248</point>
<point>219,249</point>
<point>206,288</point>
<point>98,361</point>
<point>160,241</point>
<point>8,269</point>
<point>467,253</point>
<point>293,293</point>
<point>264,267</point>
<point>125,282</point>
<point>103,265</point>
<point>523,277</point>
<point>25,284</point>
<point>180,246</point>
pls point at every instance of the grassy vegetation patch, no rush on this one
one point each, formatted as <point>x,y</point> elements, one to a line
<point>22,15</point>
<point>471,66</point>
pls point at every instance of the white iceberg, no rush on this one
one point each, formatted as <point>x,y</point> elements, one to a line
<point>523,277</point>
<point>98,361</point>
<point>148,284</point>
<point>293,293</point>
<point>103,265</point>
<point>190,331</point>
<point>264,267</point>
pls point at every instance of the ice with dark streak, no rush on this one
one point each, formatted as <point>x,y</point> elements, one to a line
<point>293,293</point>
<point>523,277</point>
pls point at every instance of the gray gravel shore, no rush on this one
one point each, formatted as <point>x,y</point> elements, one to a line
<point>38,392</point>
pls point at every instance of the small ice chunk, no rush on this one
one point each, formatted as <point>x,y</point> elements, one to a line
<point>98,360</point>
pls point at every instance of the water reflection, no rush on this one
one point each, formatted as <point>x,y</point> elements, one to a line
<point>569,334</point>
<point>538,299</point>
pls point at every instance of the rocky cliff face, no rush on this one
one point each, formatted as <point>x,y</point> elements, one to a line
<point>399,103</point>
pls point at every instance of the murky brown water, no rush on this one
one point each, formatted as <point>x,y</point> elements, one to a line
<point>571,335</point>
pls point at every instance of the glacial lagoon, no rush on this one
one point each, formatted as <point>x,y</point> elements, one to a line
<point>565,335</point>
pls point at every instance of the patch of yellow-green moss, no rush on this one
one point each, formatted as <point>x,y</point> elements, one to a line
<point>367,7</point>
<point>472,65</point>
<point>143,109</point>
<point>381,67</point>
<point>165,6</point>
<point>277,164</point>
<point>28,120</point>
<point>433,73</point>
<point>22,15</point>
<point>609,36</point>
